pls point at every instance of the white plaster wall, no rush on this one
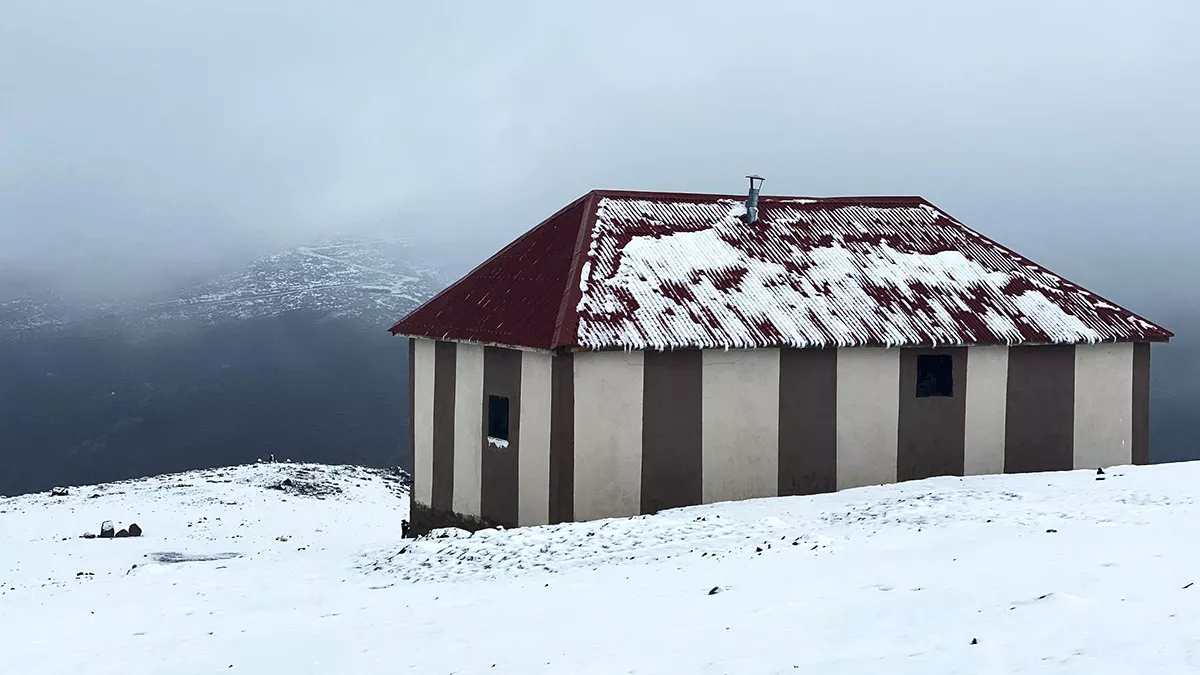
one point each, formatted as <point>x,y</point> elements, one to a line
<point>533,481</point>
<point>468,429</point>
<point>608,434</point>
<point>740,398</point>
<point>868,416</point>
<point>987,403</point>
<point>422,421</point>
<point>1103,405</point>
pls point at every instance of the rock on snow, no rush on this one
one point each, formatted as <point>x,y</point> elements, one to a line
<point>947,575</point>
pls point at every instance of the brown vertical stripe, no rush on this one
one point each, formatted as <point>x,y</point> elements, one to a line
<point>500,468</point>
<point>1039,426</point>
<point>412,415</point>
<point>672,453</point>
<point>807,421</point>
<point>444,366</point>
<point>1141,403</point>
<point>562,438</point>
<point>931,439</point>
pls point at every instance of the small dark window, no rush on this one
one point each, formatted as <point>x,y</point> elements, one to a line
<point>498,417</point>
<point>935,375</point>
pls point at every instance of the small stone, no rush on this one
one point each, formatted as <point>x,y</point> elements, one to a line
<point>88,535</point>
<point>974,641</point>
<point>106,530</point>
<point>715,590</point>
<point>59,492</point>
<point>1051,531</point>
<point>122,534</point>
<point>134,530</point>
<point>1099,472</point>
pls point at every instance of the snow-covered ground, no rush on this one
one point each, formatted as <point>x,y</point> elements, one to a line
<point>1036,573</point>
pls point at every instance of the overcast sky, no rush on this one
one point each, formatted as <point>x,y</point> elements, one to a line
<point>147,138</point>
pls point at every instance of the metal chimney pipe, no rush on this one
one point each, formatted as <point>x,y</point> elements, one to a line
<point>752,198</point>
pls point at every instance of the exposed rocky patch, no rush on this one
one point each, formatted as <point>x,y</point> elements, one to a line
<point>173,557</point>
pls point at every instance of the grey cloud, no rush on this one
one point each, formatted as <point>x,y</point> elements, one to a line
<point>143,139</point>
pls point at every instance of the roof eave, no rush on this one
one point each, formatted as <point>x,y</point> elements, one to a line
<point>480,343</point>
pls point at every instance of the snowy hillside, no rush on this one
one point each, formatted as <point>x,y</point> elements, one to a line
<point>28,301</point>
<point>377,281</point>
<point>1049,573</point>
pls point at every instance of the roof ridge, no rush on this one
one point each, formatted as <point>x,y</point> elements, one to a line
<point>660,194</point>
<point>564,336</point>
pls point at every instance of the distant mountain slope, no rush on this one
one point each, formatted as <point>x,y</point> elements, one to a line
<point>374,281</point>
<point>289,356</point>
<point>29,301</point>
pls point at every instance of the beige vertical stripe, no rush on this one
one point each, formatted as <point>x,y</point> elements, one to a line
<point>608,434</point>
<point>1103,405</point>
<point>533,482</point>
<point>986,388</point>
<point>740,424</point>
<point>868,416</point>
<point>468,429</point>
<point>423,369</point>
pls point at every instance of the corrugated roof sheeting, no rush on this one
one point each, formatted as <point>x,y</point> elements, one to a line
<point>513,298</point>
<point>666,272</point>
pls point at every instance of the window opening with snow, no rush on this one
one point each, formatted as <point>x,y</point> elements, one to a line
<point>497,428</point>
<point>935,375</point>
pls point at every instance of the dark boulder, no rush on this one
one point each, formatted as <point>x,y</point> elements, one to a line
<point>121,534</point>
<point>134,530</point>
<point>106,530</point>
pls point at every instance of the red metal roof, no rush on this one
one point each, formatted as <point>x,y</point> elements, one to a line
<point>639,270</point>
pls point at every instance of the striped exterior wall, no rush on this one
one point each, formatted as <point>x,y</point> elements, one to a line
<point>608,422</point>
<point>867,419</point>
<point>611,434</point>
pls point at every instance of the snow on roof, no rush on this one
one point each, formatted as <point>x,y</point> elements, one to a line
<point>666,271</point>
